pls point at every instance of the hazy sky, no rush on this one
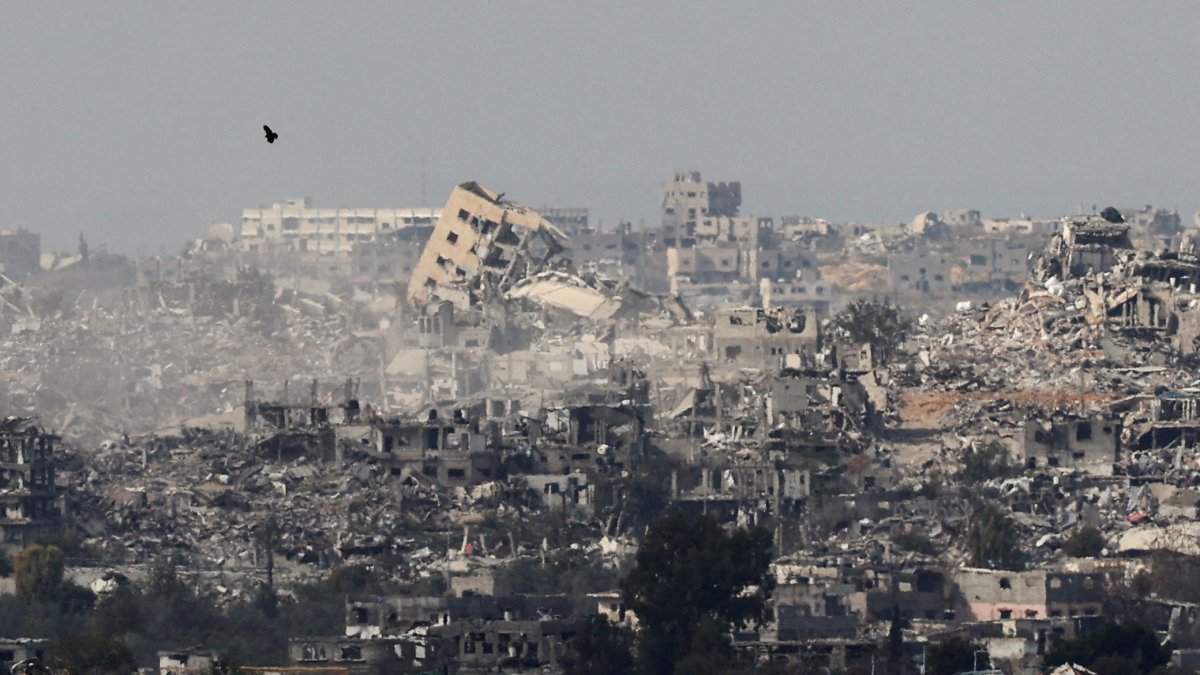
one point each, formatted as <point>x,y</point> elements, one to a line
<point>139,123</point>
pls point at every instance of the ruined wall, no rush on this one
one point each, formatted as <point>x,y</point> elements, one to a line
<point>1092,445</point>
<point>991,595</point>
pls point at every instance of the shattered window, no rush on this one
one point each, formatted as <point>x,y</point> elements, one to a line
<point>452,237</point>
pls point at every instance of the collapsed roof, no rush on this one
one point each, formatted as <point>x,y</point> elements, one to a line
<point>486,248</point>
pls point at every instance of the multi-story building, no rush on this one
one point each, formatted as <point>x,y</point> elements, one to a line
<point>688,202</point>
<point>992,595</point>
<point>27,494</point>
<point>295,226</point>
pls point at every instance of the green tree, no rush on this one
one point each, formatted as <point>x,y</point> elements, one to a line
<point>600,648</point>
<point>118,612</point>
<point>646,498</point>
<point>351,579</point>
<point>989,461</point>
<point>39,573</point>
<point>952,656</point>
<point>1086,542</point>
<point>1114,649</point>
<point>993,540</point>
<point>266,600</point>
<point>691,582</point>
<point>879,324</point>
<point>163,581</point>
<point>69,542</point>
<point>1172,576</point>
<point>91,655</point>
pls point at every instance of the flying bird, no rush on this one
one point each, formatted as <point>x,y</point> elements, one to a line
<point>271,135</point>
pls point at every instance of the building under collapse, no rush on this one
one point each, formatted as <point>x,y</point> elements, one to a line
<point>481,246</point>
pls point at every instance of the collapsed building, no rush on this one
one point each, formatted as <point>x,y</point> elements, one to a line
<point>1128,290</point>
<point>27,490</point>
<point>529,406</point>
<point>482,245</point>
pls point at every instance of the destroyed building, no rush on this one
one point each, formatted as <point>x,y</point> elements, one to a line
<point>1085,246</point>
<point>758,338</point>
<point>531,402</point>
<point>27,490</point>
<point>986,595</point>
<point>687,201</point>
<point>1092,445</point>
<point>481,245</point>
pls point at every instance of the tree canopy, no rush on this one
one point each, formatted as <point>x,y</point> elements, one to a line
<point>993,540</point>
<point>1086,542</point>
<point>600,648</point>
<point>952,656</point>
<point>879,324</point>
<point>39,572</point>
<point>986,462</point>
<point>92,655</point>
<point>1113,649</point>
<point>691,583</point>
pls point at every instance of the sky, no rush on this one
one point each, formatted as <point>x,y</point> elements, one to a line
<point>138,124</point>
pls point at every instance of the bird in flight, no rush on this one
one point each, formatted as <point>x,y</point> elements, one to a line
<point>271,135</point>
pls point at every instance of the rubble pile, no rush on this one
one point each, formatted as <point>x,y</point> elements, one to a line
<point>101,369</point>
<point>523,418</point>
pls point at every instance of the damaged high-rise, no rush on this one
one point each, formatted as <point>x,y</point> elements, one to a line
<point>482,244</point>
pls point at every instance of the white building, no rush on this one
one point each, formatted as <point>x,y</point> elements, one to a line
<point>296,226</point>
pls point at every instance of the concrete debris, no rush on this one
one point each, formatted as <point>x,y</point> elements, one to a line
<point>471,399</point>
